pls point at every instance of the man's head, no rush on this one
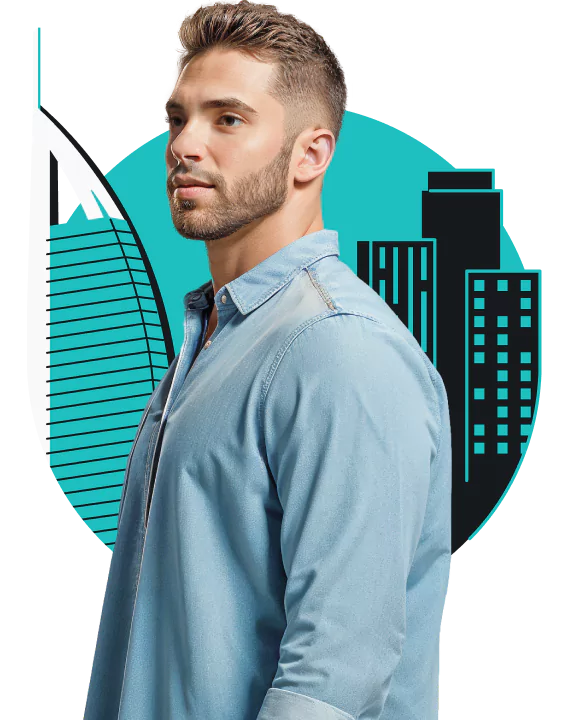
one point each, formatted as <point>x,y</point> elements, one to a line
<point>255,113</point>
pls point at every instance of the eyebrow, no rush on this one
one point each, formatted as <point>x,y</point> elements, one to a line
<point>225,102</point>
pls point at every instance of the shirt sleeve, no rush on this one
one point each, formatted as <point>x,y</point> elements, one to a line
<point>351,427</point>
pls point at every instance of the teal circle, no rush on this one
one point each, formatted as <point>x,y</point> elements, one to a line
<point>372,191</point>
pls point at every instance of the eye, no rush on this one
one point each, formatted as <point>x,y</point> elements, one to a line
<point>167,119</point>
<point>172,120</point>
<point>231,117</point>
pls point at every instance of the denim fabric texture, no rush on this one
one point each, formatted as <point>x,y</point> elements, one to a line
<point>284,538</point>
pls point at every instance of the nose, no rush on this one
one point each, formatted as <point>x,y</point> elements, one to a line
<point>188,145</point>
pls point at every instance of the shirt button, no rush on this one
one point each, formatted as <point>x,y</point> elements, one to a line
<point>223,298</point>
<point>207,344</point>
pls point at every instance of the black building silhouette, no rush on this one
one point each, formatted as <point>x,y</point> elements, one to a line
<point>480,326</point>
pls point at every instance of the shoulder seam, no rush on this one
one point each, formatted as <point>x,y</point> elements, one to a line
<point>319,287</point>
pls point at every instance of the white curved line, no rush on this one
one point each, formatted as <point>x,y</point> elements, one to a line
<point>78,177</point>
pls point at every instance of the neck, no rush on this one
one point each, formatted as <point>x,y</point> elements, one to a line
<point>232,257</point>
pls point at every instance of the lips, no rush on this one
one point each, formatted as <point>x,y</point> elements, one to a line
<point>191,182</point>
<point>187,191</point>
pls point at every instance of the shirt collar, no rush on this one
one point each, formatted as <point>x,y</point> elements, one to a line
<point>258,284</point>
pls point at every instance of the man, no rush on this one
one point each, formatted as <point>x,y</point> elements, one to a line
<point>283,547</point>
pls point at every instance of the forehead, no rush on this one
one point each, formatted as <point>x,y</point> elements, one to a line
<point>224,73</point>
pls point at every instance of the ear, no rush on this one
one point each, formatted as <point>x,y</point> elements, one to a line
<point>318,147</point>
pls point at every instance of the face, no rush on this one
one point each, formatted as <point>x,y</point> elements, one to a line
<point>227,132</point>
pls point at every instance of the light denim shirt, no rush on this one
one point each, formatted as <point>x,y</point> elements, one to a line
<point>297,473</point>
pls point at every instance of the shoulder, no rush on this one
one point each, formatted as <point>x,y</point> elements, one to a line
<point>350,337</point>
<point>344,353</point>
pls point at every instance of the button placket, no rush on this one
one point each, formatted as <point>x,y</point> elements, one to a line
<point>193,333</point>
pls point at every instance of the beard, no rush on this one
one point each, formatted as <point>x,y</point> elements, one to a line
<point>253,196</point>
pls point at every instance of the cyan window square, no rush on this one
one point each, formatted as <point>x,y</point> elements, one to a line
<point>479,339</point>
<point>502,375</point>
<point>502,285</point>
<point>479,285</point>
<point>479,393</point>
<point>479,321</point>
<point>525,285</point>
<point>502,357</point>
<point>526,393</point>
<point>502,394</point>
<point>525,303</point>
<point>525,357</point>
<point>525,375</point>
<point>502,429</point>
<point>502,411</point>
<point>502,321</point>
<point>525,411</point>
<point>525,320</point>
<point>525,429</point>
<point>502,339</point>
<point>502,448</point>
<point>479,429</point>
<point>479,303</point>
<point>479,357</point>
<point>479,448</point>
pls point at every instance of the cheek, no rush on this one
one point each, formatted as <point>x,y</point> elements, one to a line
<point>249,155</point>
<point>266,146</point>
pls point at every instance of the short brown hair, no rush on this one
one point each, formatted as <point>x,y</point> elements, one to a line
<point>309,81</point>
